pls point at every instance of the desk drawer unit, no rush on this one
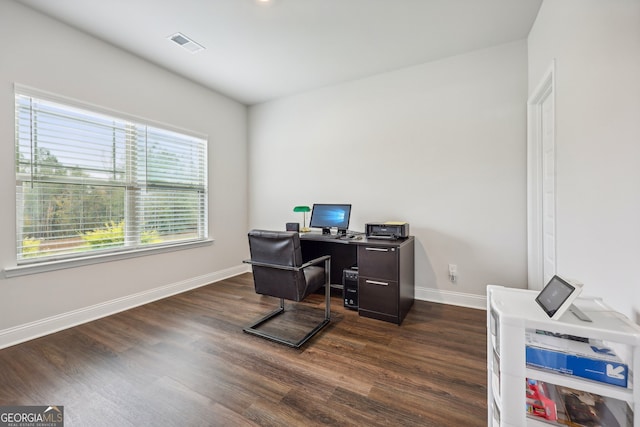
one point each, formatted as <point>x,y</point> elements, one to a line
<point>386,280</point>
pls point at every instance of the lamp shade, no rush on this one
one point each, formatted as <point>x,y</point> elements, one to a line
<point>302,209</point>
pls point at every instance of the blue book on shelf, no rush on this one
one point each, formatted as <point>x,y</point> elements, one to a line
<point>590,360</point>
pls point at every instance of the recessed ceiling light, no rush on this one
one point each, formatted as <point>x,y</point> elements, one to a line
<point>186,42</point>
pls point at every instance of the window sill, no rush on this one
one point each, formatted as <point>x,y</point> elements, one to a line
<point>42,267</point>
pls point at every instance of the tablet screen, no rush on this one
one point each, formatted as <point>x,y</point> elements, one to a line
<point>557,296</point>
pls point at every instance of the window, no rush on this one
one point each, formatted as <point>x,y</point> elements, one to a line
<point>89,183</point>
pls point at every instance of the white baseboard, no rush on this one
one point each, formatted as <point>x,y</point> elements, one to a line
<point>49,325</point>
<point>453,298</point>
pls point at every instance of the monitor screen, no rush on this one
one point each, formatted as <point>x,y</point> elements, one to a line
<point>327,216</point>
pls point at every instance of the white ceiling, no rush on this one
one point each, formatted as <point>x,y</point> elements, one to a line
<point>257,51</point>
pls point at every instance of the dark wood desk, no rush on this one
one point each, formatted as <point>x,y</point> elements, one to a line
<point>386,276</point>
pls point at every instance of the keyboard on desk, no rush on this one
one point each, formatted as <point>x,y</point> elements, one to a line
<point>318,236</point>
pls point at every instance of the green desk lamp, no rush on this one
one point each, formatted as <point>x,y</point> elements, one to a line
<point>304,210</point>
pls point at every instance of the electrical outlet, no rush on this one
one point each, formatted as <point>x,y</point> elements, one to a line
<point>453,273</point>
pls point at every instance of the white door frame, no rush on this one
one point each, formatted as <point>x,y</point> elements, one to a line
<point>545,91</point>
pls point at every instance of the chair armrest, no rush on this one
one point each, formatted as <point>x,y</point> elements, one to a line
<point>288,267</point>
<point>315,261</point>
<point>266,264</point>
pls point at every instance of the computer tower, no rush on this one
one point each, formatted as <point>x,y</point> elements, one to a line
<point>350,287</point>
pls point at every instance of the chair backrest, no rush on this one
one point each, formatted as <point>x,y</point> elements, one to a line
<point>275,247</point>
<point>278,248</point>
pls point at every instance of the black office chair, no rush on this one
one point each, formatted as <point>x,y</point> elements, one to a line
<point>278,271</point>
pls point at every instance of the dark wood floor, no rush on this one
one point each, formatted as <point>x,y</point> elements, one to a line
<point>184,361</point>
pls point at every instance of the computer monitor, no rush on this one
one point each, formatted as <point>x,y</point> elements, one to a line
<point>328,216</point>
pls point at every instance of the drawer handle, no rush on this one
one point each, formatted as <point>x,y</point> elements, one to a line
<point>375,282</point>
<point>377,249</point>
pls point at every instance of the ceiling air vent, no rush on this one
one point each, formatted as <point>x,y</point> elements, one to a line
<point>186,42</point>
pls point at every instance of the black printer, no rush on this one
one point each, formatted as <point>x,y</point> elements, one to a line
<point>387,230</point>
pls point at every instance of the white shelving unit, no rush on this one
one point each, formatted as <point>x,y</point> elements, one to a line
<point>512,312</point>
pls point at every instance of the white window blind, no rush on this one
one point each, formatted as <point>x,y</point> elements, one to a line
<point>87,182</point>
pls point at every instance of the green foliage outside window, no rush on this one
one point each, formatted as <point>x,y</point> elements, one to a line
<point>30,247</point>
<point>112,235</point>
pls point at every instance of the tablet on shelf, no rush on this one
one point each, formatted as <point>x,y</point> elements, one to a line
<point>557,296</point>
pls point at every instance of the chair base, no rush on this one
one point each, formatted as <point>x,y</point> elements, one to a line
<point>252,329</point>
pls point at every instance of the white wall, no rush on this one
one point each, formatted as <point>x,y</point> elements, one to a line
<point>441,145</point>
<point>42,53</point>
<point>596,45</point>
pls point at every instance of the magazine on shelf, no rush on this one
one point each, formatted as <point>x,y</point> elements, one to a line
<point>559,405</point>
<point>577,356</point>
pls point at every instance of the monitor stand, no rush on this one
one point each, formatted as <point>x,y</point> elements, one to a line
<point>579,314</point>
